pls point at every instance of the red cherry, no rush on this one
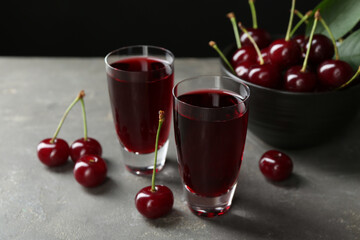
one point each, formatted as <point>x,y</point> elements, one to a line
<point>80,147</point>
<point>266,75</point>
<point>301,40</point>
<point>154,204</point>
<point>53,154</point>
<point>265,55</point>
<point>298,81</point>
<point>321,49</point>
<point>243,54</point>
<point>275,165</point>
<point>284,53</point>
<point>261,37</point>
<point>242,70</point>
<point>90,170</point>
<point>334,73</point>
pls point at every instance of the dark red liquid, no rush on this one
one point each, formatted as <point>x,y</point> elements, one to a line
<point>139,87</point>
<point>210,146</point>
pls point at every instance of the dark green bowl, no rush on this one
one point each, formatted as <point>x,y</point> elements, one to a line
<point>297,120</point>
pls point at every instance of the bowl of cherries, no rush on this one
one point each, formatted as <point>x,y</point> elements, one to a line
<point>302,93</point>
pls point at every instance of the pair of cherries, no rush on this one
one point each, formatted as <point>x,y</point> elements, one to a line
<point>90,169</point>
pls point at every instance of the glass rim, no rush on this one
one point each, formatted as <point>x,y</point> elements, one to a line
<point>241,101</point>
<point>137,46</point>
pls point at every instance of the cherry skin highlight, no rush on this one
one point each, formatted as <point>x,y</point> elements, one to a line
<point>284,53</point>
<point>154,204</point>
<point>261,37</point>
<point>243,54</point>
<point>334,73</point>
<point>275,165</point>
<point>53,154</point>
<point>80,147</point>
<point>298,81</point>
<point>242,70</point>
<point>90,170</point>
<point>266,75</point>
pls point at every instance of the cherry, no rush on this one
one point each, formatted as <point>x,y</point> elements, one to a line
<point>53,153</point>
<point>154,204</point>
<point>285,52</point>
<point>243,54</point>
<point>275,165</point>
<point>81,147</point>
<point>260,36</point>
<point>265,55</point>
<point>299,78</point>
<point>242,70</point>
<point>263,74</point>
<point>321,49</point>
<point>334,73</point>
<point>156,200</point>
<point>86,145</point>
<point>90,170</point>
<point>266,75</point>
<point>301,40</point>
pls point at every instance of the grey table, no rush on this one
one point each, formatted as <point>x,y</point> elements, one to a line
<point>320,201</point>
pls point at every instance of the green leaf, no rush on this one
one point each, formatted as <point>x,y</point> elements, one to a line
<point>340,15</point>
<point>349,50</point>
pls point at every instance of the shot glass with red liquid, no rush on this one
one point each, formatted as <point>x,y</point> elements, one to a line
<point>210,124</point>
<point>140,80</point>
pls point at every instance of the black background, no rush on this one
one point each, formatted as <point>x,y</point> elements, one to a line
<point>93,28</point>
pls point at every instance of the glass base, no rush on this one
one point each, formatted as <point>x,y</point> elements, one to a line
<point>209,206</point>
<point>143,164</point>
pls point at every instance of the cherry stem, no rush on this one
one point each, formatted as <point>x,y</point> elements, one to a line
<point>287,37</point>
<point>302,20</point>
<point>214,46</point>
<point>161,120</point>
<point>232,18</point>
<point>300,15</point>
<point>351,79</point>
<point>253,13</point>
<point>84,118</point>
<point>317,16</point>
<point>331,37</point>
<point>253,42</point>
<point>79,96</point>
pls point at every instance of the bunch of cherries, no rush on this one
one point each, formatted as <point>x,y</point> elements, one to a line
<point>291,63</point>
<point>90,169</point>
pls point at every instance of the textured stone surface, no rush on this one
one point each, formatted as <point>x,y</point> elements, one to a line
<point>320,201</point>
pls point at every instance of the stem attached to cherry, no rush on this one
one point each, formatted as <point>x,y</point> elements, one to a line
<point>253,42</point>
<point>161,120</point>
<point>331,37</point>
<point>79,96</point>
<point>287,37</point>
<point>302,20</point>
<point>317,16</point>
<point>84,117</point>
<point>351,79</point>
<point>253,14</point>
<point>214,46</point>
<point>232,18</point>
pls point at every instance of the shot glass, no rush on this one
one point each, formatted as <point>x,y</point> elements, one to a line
<point>210,124</point>
<point>140,80</point>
